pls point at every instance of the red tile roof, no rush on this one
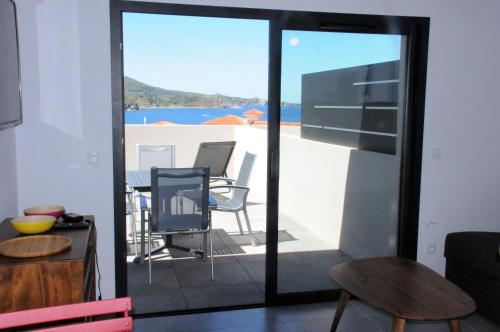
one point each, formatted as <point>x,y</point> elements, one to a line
<point>227,120</point>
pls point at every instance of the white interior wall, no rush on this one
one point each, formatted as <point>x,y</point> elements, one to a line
<point>460,188</point>
<point>65,62</point>
<point>8,174</point>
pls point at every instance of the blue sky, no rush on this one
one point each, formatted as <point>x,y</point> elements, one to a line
<point>197,54</point>
<point>312,51</point>
<point>230,56</point>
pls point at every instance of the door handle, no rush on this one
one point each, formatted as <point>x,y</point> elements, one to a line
<point>274,165</point>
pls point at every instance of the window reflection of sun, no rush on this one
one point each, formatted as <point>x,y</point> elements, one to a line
<point>294,41</point>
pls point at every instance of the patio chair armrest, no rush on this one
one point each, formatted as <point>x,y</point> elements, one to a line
<point>217,178</point>
<point>230,186</point>
<point>136,193</point>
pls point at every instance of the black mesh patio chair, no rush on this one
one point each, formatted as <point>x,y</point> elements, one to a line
<point>179,205</point>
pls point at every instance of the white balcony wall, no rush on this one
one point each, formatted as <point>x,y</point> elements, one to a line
<point>253,140</point>
<point>185,138</point>
<point>344,196</point>
<point>312,185</point>
<point>370,210</point>
<point>315,180</point>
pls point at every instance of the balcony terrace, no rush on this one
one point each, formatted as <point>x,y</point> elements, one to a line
<point>321,222</point>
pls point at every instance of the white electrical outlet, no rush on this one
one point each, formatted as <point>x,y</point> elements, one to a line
<point>431,248</point>
<point>436,153</point>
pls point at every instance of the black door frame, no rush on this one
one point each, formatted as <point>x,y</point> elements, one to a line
<point>415,28</point>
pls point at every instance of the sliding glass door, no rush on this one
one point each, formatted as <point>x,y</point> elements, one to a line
<point>339,169</point>
<point>195,93</point>
<point>330,108</point>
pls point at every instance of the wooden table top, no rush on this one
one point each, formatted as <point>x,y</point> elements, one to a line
<point>77,251</point>
<point>403,288</point>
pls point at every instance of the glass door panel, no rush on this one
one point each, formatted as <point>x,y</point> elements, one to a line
<point>340,129</point>
<point>193,87</point>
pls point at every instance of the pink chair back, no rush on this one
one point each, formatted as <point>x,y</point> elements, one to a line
<point>74,311</point>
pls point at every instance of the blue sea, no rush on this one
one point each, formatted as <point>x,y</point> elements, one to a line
<point>195,116</point>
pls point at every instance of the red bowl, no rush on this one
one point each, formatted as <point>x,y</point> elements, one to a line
<point>45,210</point>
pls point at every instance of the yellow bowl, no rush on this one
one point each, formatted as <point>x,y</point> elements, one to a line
<point>33,224</point>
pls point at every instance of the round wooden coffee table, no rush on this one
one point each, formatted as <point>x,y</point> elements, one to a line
<point>403,288</point>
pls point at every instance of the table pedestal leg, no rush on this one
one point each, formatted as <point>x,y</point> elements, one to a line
<point>455,325</point>
<point>398,324</point>
<point>205,246</point>
<point>344,297</point>
<point>143,229</point>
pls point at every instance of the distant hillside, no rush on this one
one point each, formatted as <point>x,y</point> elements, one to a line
<point>139,95</point>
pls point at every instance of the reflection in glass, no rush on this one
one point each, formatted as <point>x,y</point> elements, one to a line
<point>338,154</point>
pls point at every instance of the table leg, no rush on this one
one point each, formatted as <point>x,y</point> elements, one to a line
<point>455,325</point>
<point>344,297</point>
<point>205,246</point>
<point>143,245</point>
<point>398,324</point>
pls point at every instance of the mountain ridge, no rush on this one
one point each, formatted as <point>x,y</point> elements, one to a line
<point>140,95</point>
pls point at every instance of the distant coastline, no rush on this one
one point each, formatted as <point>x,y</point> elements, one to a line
<point>178,107</point>
<point>199,115</point>
<point>141,96</point>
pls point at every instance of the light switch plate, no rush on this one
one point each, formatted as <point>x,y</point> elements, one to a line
<point>93,158</point>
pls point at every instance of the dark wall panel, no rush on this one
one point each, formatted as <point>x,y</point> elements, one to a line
<point>355,107</point>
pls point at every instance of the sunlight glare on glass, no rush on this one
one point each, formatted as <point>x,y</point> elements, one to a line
<point>294,41</point>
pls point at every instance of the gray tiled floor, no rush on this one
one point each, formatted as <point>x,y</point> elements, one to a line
<point>239,279</point>
<point>358,317</point>
<point>186,284</point>
<point>181,282</point>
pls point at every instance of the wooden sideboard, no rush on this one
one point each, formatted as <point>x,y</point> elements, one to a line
<point>67,277</point>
